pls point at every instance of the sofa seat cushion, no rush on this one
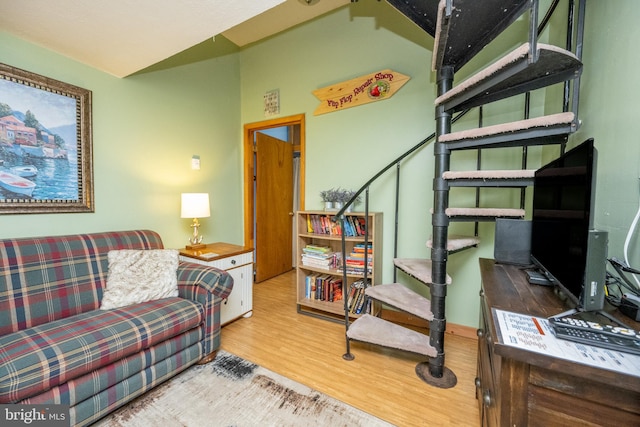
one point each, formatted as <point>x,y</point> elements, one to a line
<point>93,383</point>
<point>39,358</point>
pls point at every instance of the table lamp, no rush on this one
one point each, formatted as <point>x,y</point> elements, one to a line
<point>195,205</point>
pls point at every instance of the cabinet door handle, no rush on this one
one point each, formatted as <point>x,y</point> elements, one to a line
<point>480,333</point>
<point>478,382</point>
<point>233,262</point>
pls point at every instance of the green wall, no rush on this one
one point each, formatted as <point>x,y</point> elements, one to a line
<point>145,129</point>
<point>610,114</point>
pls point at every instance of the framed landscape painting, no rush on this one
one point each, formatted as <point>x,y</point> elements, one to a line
<point>46,161</point>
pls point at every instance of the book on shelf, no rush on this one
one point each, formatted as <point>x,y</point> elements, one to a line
<point>362,224</point>
<point>309,286</point>
<point>336,289</point>
<point>318,249</point>
<point>350,230</point>
<point>320,287</point>
<point>355,226</point>
<point>357,302</point>
<point>330,225</point>
<point>347,229</point>
<point>359,255</point>
<point>361,248</point>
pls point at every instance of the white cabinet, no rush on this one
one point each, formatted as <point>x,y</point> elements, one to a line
<point>238,262</point>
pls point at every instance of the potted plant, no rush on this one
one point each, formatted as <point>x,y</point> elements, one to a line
<point>338,198</point>
<point>329,197</point>
<point>346,195</point>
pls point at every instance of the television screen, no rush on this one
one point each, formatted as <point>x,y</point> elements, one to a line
<point>563,198</point>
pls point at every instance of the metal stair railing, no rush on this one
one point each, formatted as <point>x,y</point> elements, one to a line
<point>365,188</point>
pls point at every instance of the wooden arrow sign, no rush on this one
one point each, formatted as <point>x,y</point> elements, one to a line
<point>361,90</point>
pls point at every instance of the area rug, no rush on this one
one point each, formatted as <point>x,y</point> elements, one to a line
<point>231,391</point>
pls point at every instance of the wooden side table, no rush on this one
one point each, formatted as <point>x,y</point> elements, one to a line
<point>238,262</point>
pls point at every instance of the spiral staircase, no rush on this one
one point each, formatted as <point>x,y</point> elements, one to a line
<point>461,29</point>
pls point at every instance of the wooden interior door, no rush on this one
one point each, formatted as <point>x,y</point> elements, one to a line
<point>274,206</point>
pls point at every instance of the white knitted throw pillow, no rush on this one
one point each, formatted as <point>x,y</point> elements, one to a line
<point>136,276</point>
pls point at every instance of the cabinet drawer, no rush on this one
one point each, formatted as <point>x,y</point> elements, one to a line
<point>225,263</point>
<point>232,261</point>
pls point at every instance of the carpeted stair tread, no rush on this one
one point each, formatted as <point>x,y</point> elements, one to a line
<point>483,213</point>
<point>471,26</point>
<point>539,130</point>
<point>374,330</point>
<point>418,268</point>
<point>511,75</point>
<point>514,178</point>
<point>489,174</point>
<point>400,297</point>
<point>458,242</point>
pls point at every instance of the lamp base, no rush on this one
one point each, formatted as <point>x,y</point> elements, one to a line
<point>195,247</point>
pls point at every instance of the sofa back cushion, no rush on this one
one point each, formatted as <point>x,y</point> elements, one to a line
<point>49,278</point>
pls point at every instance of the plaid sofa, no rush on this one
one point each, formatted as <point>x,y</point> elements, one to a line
<point>57,347</point>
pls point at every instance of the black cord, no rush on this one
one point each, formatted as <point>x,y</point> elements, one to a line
<point>622,279</point>
<point>612,282</point>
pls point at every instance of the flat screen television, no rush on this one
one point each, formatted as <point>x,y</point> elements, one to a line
<point>564,245</point>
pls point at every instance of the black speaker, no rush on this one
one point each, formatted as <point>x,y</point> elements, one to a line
<point>513,241</point>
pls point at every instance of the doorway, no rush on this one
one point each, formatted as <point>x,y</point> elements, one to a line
<point>269,212</point>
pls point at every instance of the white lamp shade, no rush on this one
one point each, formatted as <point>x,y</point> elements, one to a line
<point>195,205</point>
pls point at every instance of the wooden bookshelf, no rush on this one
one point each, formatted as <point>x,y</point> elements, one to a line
<point>325,234</point>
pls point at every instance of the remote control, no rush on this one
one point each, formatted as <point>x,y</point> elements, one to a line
<point>591,333</point>
<point>537,278</point>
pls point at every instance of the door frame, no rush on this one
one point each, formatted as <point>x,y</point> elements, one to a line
<point>249,130</point>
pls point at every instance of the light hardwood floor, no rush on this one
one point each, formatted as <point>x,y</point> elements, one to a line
<point>379,381</point>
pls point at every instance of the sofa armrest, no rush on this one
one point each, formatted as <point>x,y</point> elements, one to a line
<point>208,286</point>
<point>196,280</point>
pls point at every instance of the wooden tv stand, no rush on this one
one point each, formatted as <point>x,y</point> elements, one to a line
<point>518,387</point>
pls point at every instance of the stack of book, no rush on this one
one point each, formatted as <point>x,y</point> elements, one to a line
<point>358,302</point>
<point>320,257</point>
<point>356,260</point>
<point>323,287</point>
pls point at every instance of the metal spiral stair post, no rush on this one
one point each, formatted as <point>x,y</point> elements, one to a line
<point>434,372</point>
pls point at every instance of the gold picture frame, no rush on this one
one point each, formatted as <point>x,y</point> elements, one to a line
<point>46,158</point>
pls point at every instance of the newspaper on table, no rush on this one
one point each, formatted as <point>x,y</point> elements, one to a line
<point>535,334</point>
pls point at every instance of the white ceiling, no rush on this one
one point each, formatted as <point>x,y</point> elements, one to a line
<point>121,37</point>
